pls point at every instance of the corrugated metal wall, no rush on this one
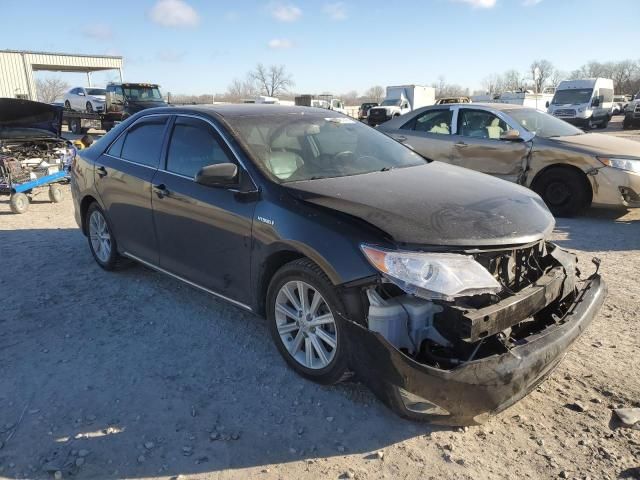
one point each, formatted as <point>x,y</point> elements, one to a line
<point>16,69</point>
<point>15,79</point>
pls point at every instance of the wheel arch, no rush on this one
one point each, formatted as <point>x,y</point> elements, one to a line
<point>569,167</point>
<point>276,259</point>
<point>84,207</point>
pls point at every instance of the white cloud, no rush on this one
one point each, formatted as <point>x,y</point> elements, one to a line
<point>98,32</point>
<point>174,13</point>
<point>284,12</point>
<point>280,43</point>
<point>530,3</point>
<point>480,3</point>
<point>336,11</point>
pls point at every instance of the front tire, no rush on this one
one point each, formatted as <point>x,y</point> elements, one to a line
<point>303,311</point>
<point>19,203</point>
<point>89,107</point>
<point>102,243</point>
<point>563,190</point>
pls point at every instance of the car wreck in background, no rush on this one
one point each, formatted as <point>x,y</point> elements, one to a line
<point>32,152</point>
<point>435,284</point>
<point>570,169</point>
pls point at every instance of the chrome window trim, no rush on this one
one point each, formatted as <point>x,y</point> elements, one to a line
<point>106,150</point>
<point>188,282</point>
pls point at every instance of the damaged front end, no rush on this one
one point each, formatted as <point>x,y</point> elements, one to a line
<point>455,358</point>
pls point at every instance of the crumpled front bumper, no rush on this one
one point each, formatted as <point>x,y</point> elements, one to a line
<point>472,391</point>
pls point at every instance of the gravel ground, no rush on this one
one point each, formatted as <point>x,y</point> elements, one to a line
<point>134,375</point>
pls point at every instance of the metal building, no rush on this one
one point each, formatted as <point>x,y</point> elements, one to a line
<point>17,67</point>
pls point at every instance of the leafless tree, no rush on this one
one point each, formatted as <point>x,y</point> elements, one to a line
<point>50,89</point>
<point>272,80</point>
<point>512,80</point>
<point>556,77</point>
<point>493,84</point>
<point>545,68</point>
<point>242,89</point>
<point>350,97</point>
<point>622,74</point>
<point>375,93</point>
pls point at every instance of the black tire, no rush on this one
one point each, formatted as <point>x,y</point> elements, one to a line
<point>626,123</point>
<point>307,271</point>
<point>67,105</point>
<point>88,107</point>
<point>19,203</point>
<point>564,190</point>
<point>590,125</point>
<point>604,124</point>
<point>114,260</point>
<point>55,193</point>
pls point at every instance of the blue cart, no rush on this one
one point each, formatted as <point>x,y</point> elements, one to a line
<point>14,183</point>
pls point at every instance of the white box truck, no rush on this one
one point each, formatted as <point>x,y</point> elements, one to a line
<point>399,100</point>
<point>585,103</point>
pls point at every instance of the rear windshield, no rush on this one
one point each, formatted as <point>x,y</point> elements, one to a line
<point>307,147</point>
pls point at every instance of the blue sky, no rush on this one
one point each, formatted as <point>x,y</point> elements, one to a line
<point>199,46</point>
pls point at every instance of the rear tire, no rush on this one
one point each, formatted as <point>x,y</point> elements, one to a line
<point>604,124</point>
<point>88,107</point>
<point>626,123</point>
<point>75,125</point>
<point>314,282</point>
<point>55,193</point>
<point>67,105</point>
<point>102,243</point>
<point>19,203</point>
<point>563,190</point>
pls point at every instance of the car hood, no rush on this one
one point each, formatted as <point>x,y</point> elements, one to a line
<point>435,204</point>
<point>600,144</point>
<point>24,114</point>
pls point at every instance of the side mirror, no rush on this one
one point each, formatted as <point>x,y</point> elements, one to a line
<point>220,174</point>
<point>81,94</point>
<point>596,102</point>
<point>511,136</point>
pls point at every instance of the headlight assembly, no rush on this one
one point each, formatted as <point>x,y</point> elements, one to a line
<point>437,276</point>
<point>628,164</point>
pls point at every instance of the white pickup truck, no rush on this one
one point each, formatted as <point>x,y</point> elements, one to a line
<point>401,99</point>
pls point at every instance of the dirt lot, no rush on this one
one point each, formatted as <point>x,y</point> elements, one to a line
<point>134,375</point>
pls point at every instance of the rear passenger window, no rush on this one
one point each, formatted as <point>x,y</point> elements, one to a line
<point>432,121</point>
<point>194,144</point>
<point>143,141</point>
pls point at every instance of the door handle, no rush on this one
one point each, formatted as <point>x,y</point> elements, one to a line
<point>101,171</point>
<point>161,190</point>
<point>461,145</point>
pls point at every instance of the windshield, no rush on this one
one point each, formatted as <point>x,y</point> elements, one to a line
<point>391,102</point>
<point>96,91</point>
<point>572,96</point>
<point>143,94</point>
<point>309,147</point>
<point>543,124</point>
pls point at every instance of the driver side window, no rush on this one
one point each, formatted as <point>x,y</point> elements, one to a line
<point>480,124</point>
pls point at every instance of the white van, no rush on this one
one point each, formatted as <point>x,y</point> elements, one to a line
<point>585,103</point>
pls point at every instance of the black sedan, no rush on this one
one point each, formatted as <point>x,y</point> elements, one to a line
<point>434,284</point>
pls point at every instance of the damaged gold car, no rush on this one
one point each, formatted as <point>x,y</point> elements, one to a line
<point>570,169</point>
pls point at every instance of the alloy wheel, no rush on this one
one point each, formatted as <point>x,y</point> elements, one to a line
<point>306,325</point>
<point>100,236</point>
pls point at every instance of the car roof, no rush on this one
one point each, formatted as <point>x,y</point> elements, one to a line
<point>233,110</point>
